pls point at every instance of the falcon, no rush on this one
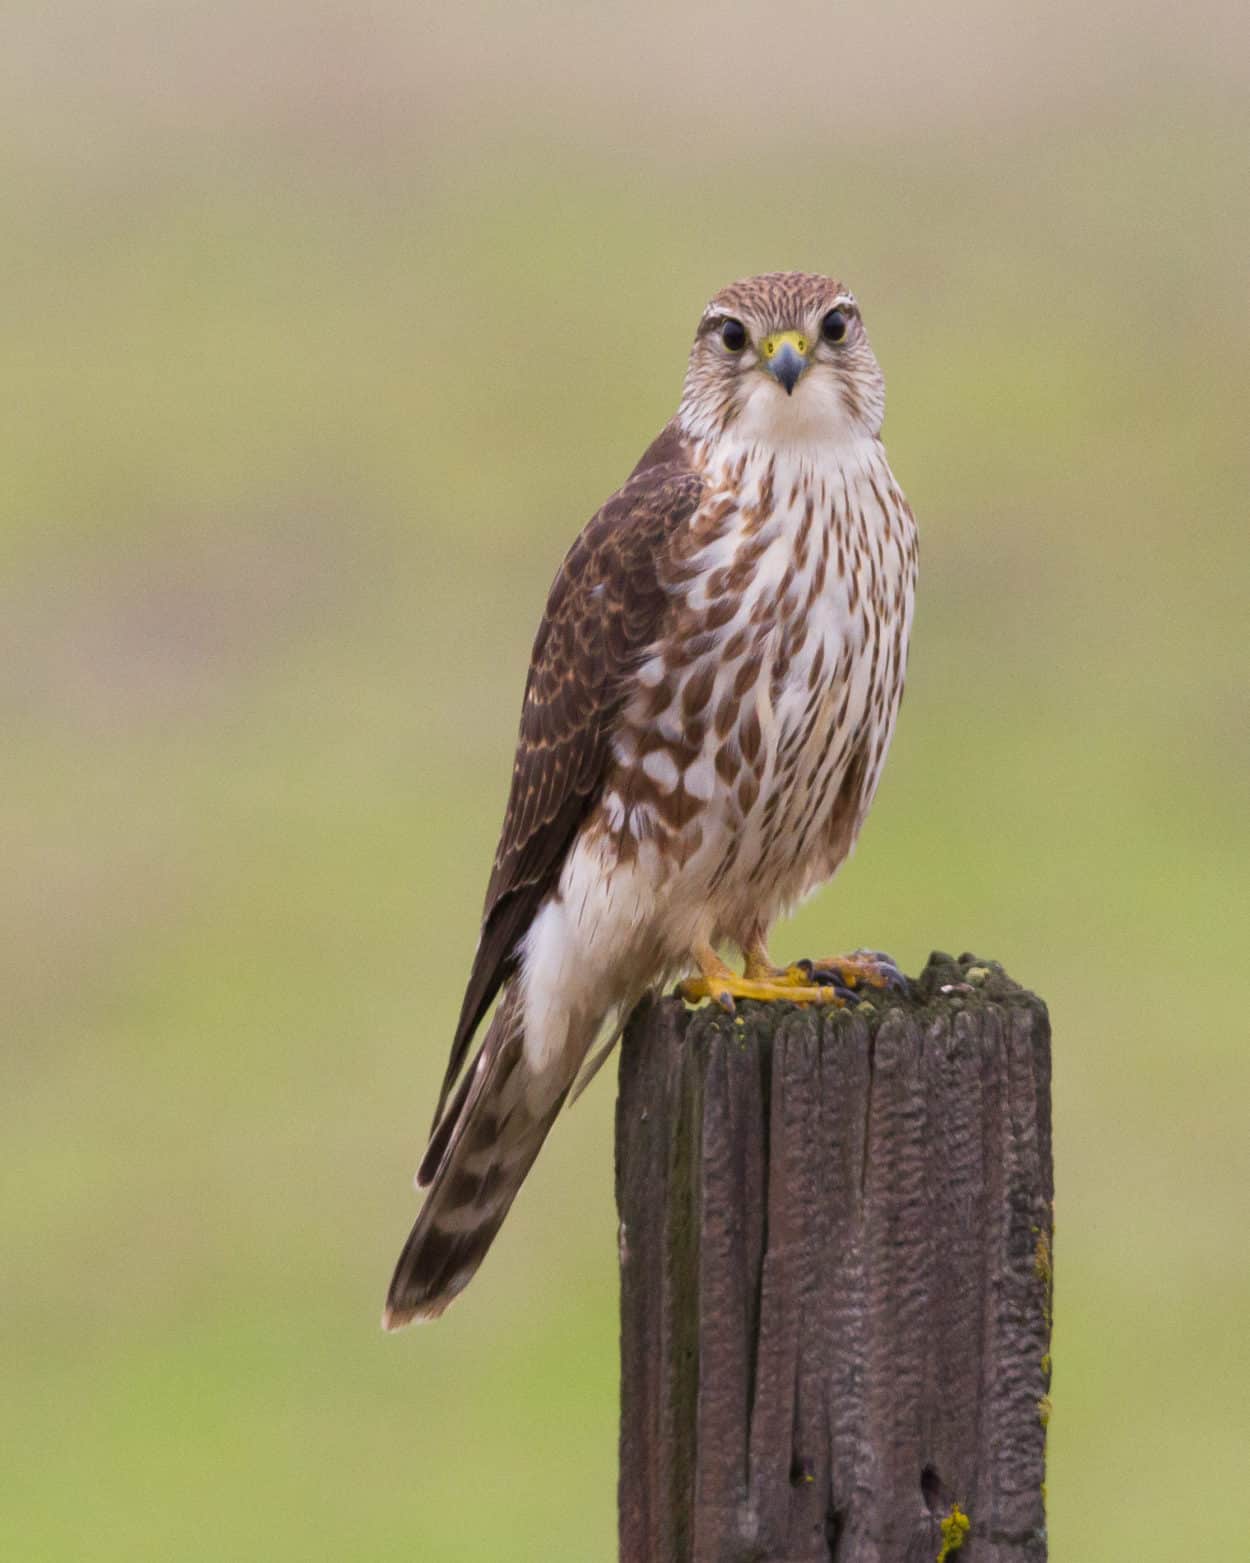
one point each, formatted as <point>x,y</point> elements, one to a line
<point>711,695</point>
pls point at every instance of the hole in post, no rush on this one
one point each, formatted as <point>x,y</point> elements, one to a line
<point>931,1489</point>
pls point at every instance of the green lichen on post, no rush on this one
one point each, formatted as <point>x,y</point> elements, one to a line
<point>1041,1259</point>
<point>955,1528</point>
<point>1043,1411</point>
<point>1044,1272</point>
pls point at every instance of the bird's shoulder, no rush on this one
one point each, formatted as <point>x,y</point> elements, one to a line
<point>619,554</point>
<point>606,606</point>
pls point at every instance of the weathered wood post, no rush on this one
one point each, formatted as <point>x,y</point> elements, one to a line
<point>835,1234</point>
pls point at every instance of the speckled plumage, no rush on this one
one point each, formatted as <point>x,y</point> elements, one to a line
<point>711,696</point>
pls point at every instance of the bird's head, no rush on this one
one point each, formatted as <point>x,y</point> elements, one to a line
<point>783,359</point>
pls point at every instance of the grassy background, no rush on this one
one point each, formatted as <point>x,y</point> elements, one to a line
<point>327,327</point>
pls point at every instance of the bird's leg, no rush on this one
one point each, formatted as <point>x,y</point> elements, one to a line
<point>861,969</point>
<point>722,985</point>
<point>759,964</point>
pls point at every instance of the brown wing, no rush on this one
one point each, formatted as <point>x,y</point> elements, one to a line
<point>602,614</point>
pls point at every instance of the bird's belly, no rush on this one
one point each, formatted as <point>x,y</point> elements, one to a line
<point>727,831</point>
<point>771,823</point>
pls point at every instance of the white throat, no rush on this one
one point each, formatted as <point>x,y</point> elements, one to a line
<point>814,419</point>
<point>832,459</point>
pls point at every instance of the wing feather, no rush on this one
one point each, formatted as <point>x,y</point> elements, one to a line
<point>603,612</point>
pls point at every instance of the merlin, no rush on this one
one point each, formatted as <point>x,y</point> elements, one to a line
<point>710,698</point>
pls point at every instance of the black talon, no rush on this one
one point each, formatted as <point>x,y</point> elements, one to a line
<point>886,971</point>
<point>823,977</point>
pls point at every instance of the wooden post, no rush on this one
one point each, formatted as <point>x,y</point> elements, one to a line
<point>835,1238</point>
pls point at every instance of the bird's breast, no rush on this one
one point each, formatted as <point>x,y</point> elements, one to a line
<point>790,601</point>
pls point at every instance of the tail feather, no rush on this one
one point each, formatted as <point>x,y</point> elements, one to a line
<point>445,1127</point>
<point>476,1163</point>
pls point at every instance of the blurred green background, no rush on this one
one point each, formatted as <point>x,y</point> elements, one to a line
<point>327,327</point>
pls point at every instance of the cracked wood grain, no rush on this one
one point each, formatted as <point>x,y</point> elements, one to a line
<point>836,1239</point>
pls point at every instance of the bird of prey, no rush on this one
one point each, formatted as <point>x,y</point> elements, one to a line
<point>712,691</point>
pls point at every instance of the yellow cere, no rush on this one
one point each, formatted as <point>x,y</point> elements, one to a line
<point>772,345</point>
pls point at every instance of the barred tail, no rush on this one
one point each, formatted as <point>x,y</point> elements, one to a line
<point>478,1158</point>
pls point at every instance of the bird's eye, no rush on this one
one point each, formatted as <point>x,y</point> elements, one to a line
<point>734,335</point>
<point>833,326</point>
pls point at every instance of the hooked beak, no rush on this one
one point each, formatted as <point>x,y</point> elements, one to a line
<point>785,356</point>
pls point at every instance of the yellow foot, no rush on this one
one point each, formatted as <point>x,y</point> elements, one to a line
<point>761,982</point>
<point>725,988</point>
